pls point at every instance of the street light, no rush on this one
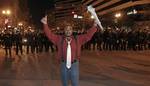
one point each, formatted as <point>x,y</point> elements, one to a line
<point>6,12</point>
<point>92,17</point>
<point>20,24</point>
<point>117,15</point>
<point>3,12</point>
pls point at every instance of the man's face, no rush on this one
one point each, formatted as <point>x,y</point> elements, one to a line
<point>68,31</point>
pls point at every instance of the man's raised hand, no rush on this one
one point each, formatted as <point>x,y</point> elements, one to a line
<point>92,11</point>
<point>44,20</point>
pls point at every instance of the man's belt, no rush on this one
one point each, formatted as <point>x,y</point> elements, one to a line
<point>74,61</point>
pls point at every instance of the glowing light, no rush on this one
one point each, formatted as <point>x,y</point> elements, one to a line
<point>20,24</point>
<point>9,26</point>
<point>80,17</point>
<point>25,40</point>
<point>75,16</point>
<point>3,12</point>
<point>134,11</point>
<point>8,12</point>
<point>117,15</point>
<point>92,17</point>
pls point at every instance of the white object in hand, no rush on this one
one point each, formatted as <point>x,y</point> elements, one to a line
<point>68,64</point>
<point>92,11</point>
<point>44,20</point>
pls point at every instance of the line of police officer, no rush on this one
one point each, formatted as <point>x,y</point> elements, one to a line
<point>30,42</point>
<point>120,39</point>
<point>107,40</point>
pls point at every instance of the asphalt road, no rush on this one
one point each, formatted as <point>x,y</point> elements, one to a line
<point>97,68</point>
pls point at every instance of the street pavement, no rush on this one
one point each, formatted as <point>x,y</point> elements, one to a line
<point>97,68</point>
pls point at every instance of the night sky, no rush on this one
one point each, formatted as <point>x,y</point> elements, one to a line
<point>38,8</point>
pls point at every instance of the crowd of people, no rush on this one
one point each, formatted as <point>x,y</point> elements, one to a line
<point>109,39</point>
<point>120,39</point>
<point>30,42</point>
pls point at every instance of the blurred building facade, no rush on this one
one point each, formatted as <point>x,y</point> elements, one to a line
<point>130,11</point>
<point>18,8</point>
<point>65,9</point>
